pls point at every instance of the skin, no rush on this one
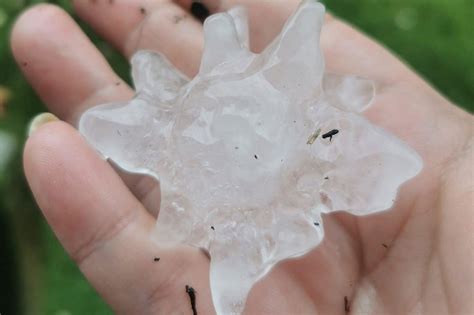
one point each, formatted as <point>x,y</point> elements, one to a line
<point>414,259</point>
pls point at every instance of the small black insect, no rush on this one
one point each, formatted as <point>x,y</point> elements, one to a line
<point>330,134</point>
<point>347,307</point>
<point>316,223</point>
<point>213,228</point>
<point>200,11</point>
<point>156,259</point>
<point>192,296</point>
<point>327,177</point>
<point>256,157</point>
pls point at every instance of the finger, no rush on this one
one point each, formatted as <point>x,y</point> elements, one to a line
<point>106,230</point>
<point>61,63</point>
<point>160,25</point>
<point>348,51</point>
<point>70,74</point>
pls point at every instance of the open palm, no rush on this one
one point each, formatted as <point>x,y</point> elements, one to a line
<point>416,258</point>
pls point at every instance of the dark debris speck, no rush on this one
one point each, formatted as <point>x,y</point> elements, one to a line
<point>347,307</point>
<point>192,297</point>
<point>178,18</point>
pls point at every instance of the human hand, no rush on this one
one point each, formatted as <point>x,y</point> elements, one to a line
<point>415,258</point>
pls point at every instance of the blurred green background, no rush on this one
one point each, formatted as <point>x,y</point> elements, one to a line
<point>436,37</point>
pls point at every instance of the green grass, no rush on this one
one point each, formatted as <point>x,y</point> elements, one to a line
<point>434,37</point>
<point>70,293</point>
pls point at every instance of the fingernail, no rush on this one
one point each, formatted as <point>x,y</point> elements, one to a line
<point>40,120</point>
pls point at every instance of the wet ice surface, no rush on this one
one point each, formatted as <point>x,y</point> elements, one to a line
<point>253,150</point>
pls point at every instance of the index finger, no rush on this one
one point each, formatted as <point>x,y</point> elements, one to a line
<point>106,230</point>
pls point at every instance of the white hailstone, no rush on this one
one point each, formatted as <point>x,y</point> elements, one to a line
<point>253,150</point>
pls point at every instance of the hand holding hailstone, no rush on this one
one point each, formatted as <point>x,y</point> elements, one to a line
<point>253,150</point>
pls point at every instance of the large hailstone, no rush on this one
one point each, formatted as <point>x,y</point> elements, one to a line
<point>253,150</point>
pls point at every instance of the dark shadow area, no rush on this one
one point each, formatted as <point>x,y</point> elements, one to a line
<point>9,289</point>
<point>200,11</point>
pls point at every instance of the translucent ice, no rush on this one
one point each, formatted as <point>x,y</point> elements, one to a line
<point>253,150</point>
